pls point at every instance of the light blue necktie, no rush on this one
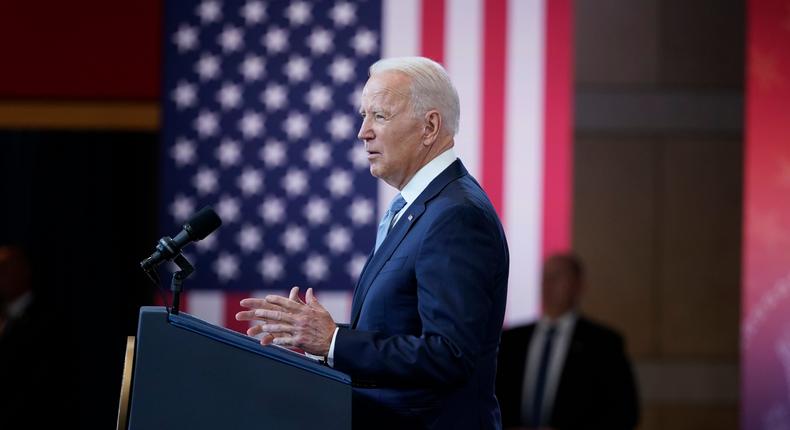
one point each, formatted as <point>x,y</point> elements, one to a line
<point>384,226</point>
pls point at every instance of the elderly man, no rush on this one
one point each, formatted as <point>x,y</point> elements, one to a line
<point>428,307</point>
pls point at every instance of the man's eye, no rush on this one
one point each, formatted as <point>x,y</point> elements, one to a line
<point>379,116</point>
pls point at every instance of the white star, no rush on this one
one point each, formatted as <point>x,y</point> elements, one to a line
<point>358,157</point>
<point>316,211</point>
<point>249,238</point>
<point>298,13</point>
<point>209,11</point>
<point>273,153</point>
<point>340,126</point>
<point>229,96</point>
<point>253,12</point>
<point>228,152</point>
<point>184,95</point>
<point>355,265</point>
<point>205,181</point>
<point>228,209</point>
<point>183,152</point>
<point>360,211</point>
<point>319,97</point>
<point>293,239</point>
<point>297,69</point>
<point>296,125</point>
<point>207,67</point>
<point>227,267</point>
<point>252,67</point>
<point>231,39</point>
<point>207,243</point>
<point>315,268</point>
<point>355,98</point>
<point>250,181</point>
<point>251,124</point>
<point>274,97</point>
<point>182,208</point>
<point>186,38</point>
<point>206,124</point>
<point>339,183</point>
<point>272,210</point>
<point>317,155</point>
<point>364,42</point>
<point>294,182</point>
<point>338,240</point>
<point>275,40</point>
<point>320,41</point>
<point>343,14</point>
<point>271,267</point>
<point>341,70</point>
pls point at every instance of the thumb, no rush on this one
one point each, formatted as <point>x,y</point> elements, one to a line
<point>311,300</point>
<point>295,295</point>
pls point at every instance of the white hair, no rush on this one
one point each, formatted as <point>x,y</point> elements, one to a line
<point>431,87</point>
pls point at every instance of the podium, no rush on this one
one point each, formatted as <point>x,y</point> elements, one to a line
<point>189,374</point>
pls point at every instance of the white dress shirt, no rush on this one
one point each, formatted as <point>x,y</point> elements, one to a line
<point>559,350</point>
<point>416,185</point>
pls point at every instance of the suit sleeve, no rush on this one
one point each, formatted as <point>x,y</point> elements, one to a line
<point>457,269</point>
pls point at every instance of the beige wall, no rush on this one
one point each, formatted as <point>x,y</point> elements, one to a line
<point>657,209</point>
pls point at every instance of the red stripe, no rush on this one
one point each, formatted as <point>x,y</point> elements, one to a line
<point>232,306</point>
<point>558,117</point>
<point>493,115</point>
<point>433,30</point>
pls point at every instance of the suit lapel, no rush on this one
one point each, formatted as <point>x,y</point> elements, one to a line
<point>398,232</point>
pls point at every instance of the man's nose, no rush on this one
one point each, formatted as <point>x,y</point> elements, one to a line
<point>365,132</point>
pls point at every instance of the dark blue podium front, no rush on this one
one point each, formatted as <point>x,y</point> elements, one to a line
<point>189,374</point>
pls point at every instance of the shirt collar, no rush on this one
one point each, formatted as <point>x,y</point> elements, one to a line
<point>427,174</point>
<point>563,322</point>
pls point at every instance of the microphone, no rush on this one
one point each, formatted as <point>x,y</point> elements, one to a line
<point>203,223</point>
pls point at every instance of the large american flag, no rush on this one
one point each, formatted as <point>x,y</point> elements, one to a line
<point>259,121</point>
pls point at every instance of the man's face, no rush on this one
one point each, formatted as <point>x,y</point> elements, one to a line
<point>391,133</point>
<point>560,289</point>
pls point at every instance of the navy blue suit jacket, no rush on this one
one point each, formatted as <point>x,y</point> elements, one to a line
<point>427,314</point>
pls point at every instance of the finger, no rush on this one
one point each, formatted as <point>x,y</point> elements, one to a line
<point>245,316</point>
<point>284,341</point>
<point>273,315</point>
<point>251,314</point>
<point>256,330</point>
<point>277,328</point>
<point>252,303</point>
<point>311,300</point>
<point>295,295</point>
<point>285,303</point>
<point>267,339</point>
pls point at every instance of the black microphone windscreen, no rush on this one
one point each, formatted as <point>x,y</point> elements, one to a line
<point>202,223</point>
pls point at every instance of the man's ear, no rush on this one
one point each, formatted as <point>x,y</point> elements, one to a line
<point>433,123</point>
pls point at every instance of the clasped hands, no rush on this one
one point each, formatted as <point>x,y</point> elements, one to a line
<point>291,321</point>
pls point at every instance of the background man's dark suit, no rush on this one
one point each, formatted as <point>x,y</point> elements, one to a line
<point>595,390</point>
<point>428,311</point>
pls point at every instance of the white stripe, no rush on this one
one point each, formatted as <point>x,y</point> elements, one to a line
<point>463,59</point>
<point>523,185</point>
<point>338,303</point>
<point>208,305</point>
<point>400,29</point>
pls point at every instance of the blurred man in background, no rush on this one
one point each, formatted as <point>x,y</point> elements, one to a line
<point>565,371</point>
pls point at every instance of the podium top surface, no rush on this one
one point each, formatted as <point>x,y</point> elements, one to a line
<point>251,344</point>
